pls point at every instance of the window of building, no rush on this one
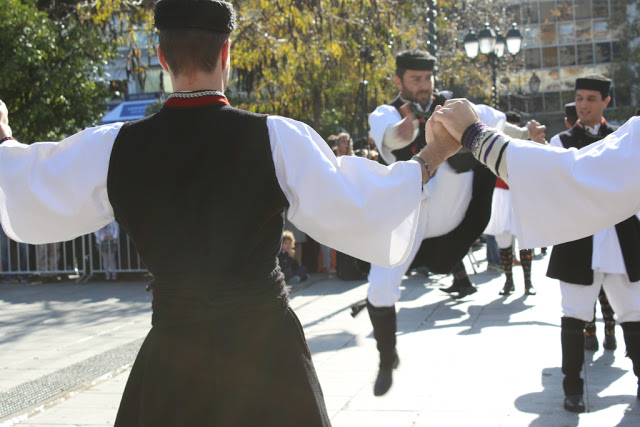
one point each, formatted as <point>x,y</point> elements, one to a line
<point>548,11</point>
<point>585,54</point>
<point>582,9</point>
<point>530,13</point>
<point>601,30</point>
<point>567,55</point>
<point>565,10</point>
<point>550,56</point>
<point>532,58</point>
<point>513,13</point>
<point>532,36</point>
<point>600,8</point>
<point>566,32</point>
<point>583,31</point>
<point>603,52</point>
<point>548,34</point>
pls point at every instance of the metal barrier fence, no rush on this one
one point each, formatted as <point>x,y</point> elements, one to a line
<point>79,259</point>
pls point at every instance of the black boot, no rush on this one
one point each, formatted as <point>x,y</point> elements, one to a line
<point>460,276</point>
<point>572,338</point>
<point>455,287</point>
<point>383,320</point>
<point>632,341</point>
<point>506,257</point>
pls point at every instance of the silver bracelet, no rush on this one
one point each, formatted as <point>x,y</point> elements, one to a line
<point>426,166</point>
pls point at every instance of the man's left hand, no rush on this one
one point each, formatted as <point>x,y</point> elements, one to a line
<point>536,131</point>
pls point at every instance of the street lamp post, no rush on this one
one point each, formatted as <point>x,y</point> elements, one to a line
<point>493,47</point>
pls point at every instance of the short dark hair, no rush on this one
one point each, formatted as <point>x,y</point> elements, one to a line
<point>191,50</point>
<point>513,117</point>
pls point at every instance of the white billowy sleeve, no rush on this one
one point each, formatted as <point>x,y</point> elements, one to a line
<point>491,117</point>
<point>354,205</point>
<point>582,191</point>
<point>379,120</point>
<point>56,191</point>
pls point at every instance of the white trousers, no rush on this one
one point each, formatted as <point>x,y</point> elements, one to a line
<point>504,239</point>
<point>384,283</point>
<point>623,295</point>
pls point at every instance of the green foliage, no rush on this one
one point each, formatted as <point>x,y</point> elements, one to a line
<point>302,58</point>
<point>50,78</point>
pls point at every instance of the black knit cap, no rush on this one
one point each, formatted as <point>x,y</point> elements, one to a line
<point>415,59</point>
<point>211,15</point>
<point>594,82</point>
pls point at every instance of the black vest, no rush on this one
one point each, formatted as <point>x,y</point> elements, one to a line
<point>571,261</point>
<point>196,189</point>
<point>418,144</point>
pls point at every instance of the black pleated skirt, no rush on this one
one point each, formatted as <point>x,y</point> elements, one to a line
<point>236,370</point>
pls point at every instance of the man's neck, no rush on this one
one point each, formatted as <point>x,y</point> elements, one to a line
<point>198,81</point>
<point>593,123</point>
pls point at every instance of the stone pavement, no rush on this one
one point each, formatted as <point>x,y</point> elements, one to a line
<point>483,361</point>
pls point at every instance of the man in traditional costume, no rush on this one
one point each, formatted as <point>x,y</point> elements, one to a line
<point>609,259</point>
<point>201,188</point>
<point>456,203</point>
<point>590,338</point>
<point>584,191</point>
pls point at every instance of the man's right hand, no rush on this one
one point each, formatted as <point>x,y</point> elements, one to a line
<point>456,115</point>
<point>5,130</point>
<point>405,128</point>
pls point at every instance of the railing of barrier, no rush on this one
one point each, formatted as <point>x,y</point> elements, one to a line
<point>79,259</point>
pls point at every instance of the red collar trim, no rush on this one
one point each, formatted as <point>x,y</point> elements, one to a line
<point>197,101</point>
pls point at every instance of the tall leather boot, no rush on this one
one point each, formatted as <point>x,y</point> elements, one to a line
<point>609,322</point>
<point>460,276</point>
<point>506,257</point>
<point>632,341</point>
<point>526,256</point>
<point>572,338</point>
<point>383,320</point>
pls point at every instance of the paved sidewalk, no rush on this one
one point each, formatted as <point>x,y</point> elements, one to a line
<point>483,361</point>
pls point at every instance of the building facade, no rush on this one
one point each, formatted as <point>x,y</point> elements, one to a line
<point>563,40</point>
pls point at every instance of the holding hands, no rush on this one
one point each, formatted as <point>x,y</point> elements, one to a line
<point>456,115</point>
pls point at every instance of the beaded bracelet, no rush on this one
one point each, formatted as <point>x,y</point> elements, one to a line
<point>426,166</point>
<point>6,138</point>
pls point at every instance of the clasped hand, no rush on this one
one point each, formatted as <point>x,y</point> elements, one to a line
<point>447,124</point>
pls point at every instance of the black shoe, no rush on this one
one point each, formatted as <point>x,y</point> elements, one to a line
<point>464,291</point>
<point>455,287</point>
<point>574,403</point>
<point>385,378</point>
<point>610,342</point>
<point>508,288</point>
<point>591,343</point>
<point>529,289</point>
